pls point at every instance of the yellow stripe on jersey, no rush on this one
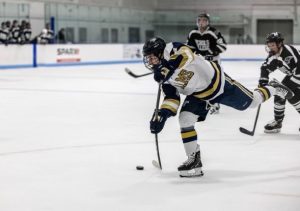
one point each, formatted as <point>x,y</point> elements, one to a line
<point>171,104</point>
<point>215,85</point>
<point>265,93</point>
<point>184,60</point>
<point>188,134</point>
<point>186,54</point>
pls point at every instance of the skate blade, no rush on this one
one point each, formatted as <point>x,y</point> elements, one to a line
<point>197,172</point>
<point>273,131</point>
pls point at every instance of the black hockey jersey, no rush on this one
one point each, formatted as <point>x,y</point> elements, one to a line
<point>46,36</point>
<point>287,61</point>
<point>26,35</point>
<point>4,36</point>
<point>208,43</point>
<point>15,35</point>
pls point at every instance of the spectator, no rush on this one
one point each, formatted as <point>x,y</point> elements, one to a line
<point>61,37</point>
<point>240,39</point>
<point>248,40</point>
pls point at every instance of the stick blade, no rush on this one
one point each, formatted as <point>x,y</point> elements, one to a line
<point>130,73</point>
<point>156,164</point>
<point>247,132</point>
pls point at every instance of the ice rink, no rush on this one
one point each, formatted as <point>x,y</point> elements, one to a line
<point>71,137</point>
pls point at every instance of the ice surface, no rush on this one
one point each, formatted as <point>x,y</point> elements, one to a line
<point>71,137</point>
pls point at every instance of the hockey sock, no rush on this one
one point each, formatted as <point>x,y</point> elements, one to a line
<point>279,107</point>
<point>262,94</point>
<point>189,138</point>
<point>266,92</point>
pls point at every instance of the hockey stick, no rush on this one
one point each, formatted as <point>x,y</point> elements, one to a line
<point>251,133</point>
<point>135,75</point>
<point>156,136</point>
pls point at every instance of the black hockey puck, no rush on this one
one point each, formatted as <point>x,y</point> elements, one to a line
<point>139,167</point>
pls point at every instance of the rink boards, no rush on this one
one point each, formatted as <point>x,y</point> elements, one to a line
<point>22,56</point>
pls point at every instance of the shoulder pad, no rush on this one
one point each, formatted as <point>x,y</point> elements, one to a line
<point>214,30</point>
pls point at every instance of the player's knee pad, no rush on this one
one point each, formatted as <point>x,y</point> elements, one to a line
<point>187,119</point>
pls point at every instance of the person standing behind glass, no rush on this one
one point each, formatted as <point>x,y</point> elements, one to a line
<point>61,38</point>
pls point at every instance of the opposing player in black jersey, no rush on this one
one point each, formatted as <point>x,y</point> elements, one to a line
<point>286,59</point>
<point>208,42</point>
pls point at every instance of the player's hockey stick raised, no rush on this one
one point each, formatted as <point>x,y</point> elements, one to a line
<point>135,75</point>
<point>251,133</point>
<point>156,136</point>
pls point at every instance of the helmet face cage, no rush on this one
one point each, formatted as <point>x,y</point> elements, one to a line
<point>203,15</point>
<point>274,37</point>
<point>154,47</point>
<point>147,63</point>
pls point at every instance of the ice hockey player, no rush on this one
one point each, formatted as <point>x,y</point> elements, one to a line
<point>46,36</point>
<point>26,33</point>
<point>4,34</point>
<point>15,33</point>
<point>285,58</point>
<point>203,83</point>
<point>208,42</point>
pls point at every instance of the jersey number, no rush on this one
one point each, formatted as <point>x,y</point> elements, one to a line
<point>184,77</point>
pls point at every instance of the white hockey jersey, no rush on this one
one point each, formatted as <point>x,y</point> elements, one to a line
<point>193,74</point>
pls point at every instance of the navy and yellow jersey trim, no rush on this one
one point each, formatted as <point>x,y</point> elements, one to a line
<point>171,105</point>
<point>172,98</point>
<point>180,55</point>
<point>214,87</point>
<point>240,86</point>
<point>265,93</point>
<point>188,136</point>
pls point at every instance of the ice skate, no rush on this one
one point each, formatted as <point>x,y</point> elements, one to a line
<point>273,127</point>
<point>192,166</point>
<point>281,90</point>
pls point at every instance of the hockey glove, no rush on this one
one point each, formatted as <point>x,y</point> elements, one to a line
<point>158,76</point>
<point>263,82</point>
<point>275,63</point>
<point>157,124</point>
<point>162,72</point>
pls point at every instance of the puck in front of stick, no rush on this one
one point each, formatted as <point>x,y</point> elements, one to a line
<point>139,167</point>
